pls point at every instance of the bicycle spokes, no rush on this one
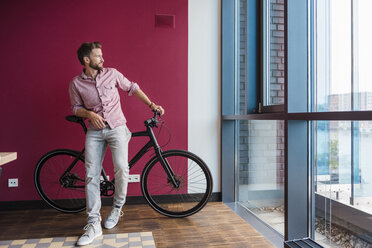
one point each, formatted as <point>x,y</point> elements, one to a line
<point>181,191</point>
<point>61,185</point>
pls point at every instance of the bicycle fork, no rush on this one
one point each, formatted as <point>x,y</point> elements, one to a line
<point>163,161</point>
<point>171,175</point>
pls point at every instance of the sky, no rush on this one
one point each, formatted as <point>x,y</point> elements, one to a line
<point>340,46</point>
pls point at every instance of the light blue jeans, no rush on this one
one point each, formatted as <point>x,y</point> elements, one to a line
<point>95,148</point>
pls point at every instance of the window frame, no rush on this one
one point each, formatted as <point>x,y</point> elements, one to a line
<point>264,82</point>
<point>296,111</point>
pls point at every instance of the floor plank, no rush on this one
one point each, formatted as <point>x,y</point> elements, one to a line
<point>214,226</point>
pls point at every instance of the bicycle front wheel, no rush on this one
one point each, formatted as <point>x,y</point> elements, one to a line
<point>60,180</point>
<point>193,191</point>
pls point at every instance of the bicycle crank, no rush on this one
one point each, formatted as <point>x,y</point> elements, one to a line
<point>107,188</point>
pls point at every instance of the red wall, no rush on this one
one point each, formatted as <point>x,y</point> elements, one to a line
<point>39,40</point>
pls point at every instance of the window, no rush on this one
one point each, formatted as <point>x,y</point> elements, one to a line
<point>342,55</point>
<point>342,166</point>
<point>273,52</point>
<point>343,181</point>
<point>261,170</point>
<point>302,166</point>
<point>260,143</point>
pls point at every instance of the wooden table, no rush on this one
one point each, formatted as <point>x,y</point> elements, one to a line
<point>6,157</point>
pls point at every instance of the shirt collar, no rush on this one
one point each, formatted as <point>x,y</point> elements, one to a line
<point>84,76</point>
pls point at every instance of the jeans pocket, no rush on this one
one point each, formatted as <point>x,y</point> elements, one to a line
<point>128,132</point>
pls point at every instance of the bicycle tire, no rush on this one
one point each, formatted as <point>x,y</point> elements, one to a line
<point>193,193</point>
<point>47,181</point>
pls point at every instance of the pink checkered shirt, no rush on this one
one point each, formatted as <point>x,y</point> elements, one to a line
<point>101,95</point>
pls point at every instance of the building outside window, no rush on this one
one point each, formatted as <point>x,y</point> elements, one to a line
<point>342,76</point>
<point>337,175</point>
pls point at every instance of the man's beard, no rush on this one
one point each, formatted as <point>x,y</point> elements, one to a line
<point>95,66</point>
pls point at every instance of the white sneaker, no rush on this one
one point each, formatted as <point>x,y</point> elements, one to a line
<point>92,231</point>
<point>113,218</point>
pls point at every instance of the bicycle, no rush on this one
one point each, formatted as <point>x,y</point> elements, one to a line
<point>175,183</point>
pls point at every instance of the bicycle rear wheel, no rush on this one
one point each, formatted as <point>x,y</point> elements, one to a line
<point>193,192</point>
<point>59,184</point>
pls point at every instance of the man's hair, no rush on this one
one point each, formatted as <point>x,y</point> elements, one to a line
<point>85,49</point>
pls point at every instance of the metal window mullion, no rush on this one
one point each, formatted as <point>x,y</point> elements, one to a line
<point>236,160</point>
<point>310,100</point>
<point>352,54</point>
<point>246,60</point>
<point>310,51</point>
<point>352,164</point>
<point>351,200</point>
<point>297,183</point>
<point>310,172</point>
<point>352,105</point>
<point>354,84</point>
<point>228,99</point>
<point>355,87</point>
<point>236,56</point>
<point>237,95</point>
<point>355,53</point>
<point>266,53</point>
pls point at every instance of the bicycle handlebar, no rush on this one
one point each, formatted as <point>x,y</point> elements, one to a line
<point>154,120</point>
<point>156,113</point>
<point>150,122</point>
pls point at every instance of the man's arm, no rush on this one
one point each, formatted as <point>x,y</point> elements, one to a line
<point>77,107</point>
<point>95,119</point>
<point>143,97</point>
<point>133,89</point>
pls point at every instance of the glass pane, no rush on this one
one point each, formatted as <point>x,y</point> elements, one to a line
<point>274,50</point>
<point>261,170</point>
<point>333,154</point>
<point>332,56</point>
<point>363,167</point>
<point>362,55</point>
<point>342,174</point>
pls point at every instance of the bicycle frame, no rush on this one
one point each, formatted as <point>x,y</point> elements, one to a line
<point>151,143</point>
<point>175,183</point>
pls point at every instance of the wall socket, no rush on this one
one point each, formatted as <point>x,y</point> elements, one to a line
<point>12,182</point>
<point>134,178</point>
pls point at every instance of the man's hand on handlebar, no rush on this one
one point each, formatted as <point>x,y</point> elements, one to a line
<point>158,108</point>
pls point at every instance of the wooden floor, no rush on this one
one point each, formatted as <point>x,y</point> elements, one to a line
<point>215,226</point>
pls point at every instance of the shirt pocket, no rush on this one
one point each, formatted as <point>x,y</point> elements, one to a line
<point>109,90</point>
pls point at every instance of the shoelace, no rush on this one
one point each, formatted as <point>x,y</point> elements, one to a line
<point>87,226</point>
<point>115,213</point>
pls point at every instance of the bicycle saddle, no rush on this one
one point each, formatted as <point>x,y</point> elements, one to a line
<point>74,118</point>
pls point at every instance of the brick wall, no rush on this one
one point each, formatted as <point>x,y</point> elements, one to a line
<point>281,152</point>
<point>261,152</point>
<point>261,143</point>
<point>243,125</point>
<point>242,58</point>
<point>277,48</point>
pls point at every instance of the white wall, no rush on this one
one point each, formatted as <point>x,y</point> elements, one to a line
<point>204,84</point>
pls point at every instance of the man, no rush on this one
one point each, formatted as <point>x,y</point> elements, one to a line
<point>94,95</point>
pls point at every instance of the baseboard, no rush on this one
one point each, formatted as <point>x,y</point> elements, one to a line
<point>216,197</point>
<point>106,201</point>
